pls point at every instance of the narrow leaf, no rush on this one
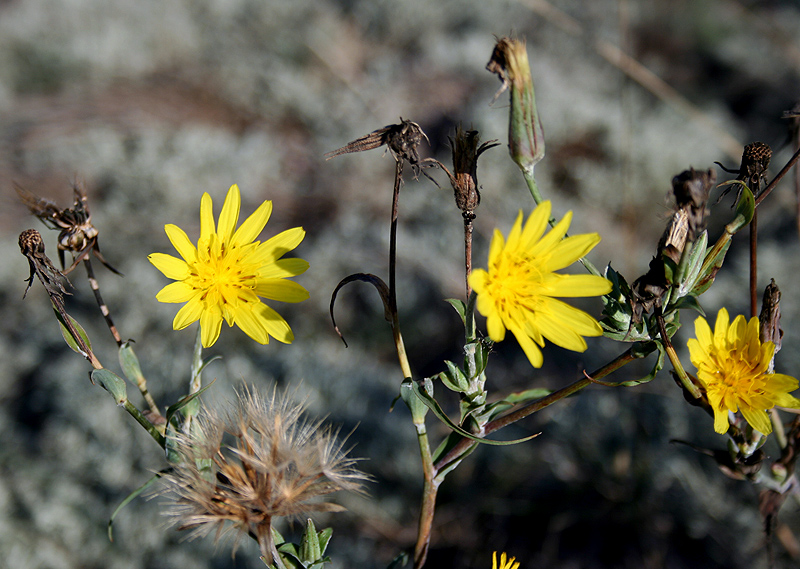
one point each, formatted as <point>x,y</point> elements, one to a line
<point>433,405</point>
<point>130,498</point>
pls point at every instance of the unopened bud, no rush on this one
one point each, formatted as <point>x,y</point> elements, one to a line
<point>525,135</point>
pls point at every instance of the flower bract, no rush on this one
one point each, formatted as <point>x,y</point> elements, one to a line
<point>518,290</point>
<point>732,365</point>
<point>504,562</point>
<point>225,276</point>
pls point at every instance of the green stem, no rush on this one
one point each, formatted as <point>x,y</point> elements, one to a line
<point>142,420</point>
<point>492,426</point>
<point>537,197</point>
<point>673,357</point>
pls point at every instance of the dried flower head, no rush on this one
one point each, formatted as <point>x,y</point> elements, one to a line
<point>259,461</point>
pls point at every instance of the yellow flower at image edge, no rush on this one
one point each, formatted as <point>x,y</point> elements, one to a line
<point>517,291</point>
<point>732,364</point>
<point>509,564</point>
<point>227,273</point>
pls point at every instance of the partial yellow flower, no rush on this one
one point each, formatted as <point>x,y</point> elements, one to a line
<point>227,273</point>
<point>503,563</point>
<point>517,291</point>
<point>732,364</point>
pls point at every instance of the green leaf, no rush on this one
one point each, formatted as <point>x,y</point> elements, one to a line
<point>324,537</point>
<point>67,335</point>
<point>712,263</point>
<point>454,379</point>
<point>498,407</point>
<point>461,308</point>
<point>309,544</point>
<point>449,442</point>
<point>183,401</point>
<point>745,207</point>
<point>422,394</point>
<point>689,302</point>
<point>130,498</point>
<point>692,262</point>
<point>415,404</point>
<point>659,365</point>
<point>112,383</point>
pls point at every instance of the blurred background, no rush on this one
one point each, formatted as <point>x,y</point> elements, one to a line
<point>149,104</point>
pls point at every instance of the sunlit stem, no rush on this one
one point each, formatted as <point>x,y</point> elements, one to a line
<point>537,197</point>
<point>777,428</point>
<point>673,358</point>
<point>192,408</point>
<point>754,265</point>
<point>417,408</point>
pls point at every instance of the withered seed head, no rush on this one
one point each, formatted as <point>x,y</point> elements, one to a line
<point>260,461</point>
<point>755,161</point>
<point>31,243</point>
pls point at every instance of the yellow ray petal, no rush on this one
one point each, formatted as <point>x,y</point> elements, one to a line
<point>172,267</point>
<point>253,225</point>
<point>181,242</point>
<point>281,289</point>
<point>229,216</point>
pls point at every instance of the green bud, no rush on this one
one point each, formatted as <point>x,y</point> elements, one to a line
<point>525,135</point>
<point>112,383</point>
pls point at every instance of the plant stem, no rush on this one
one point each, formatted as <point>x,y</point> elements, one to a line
<point>537,197</point>
<point>418,411</point>
<point>144,422</point>
<point>534,406</point>
<point>673,357</point>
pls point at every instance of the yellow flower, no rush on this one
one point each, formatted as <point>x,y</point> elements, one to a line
<point>732,364</point>
<point>226,274</point>
<point>503,563</point>
<point>516,293</point>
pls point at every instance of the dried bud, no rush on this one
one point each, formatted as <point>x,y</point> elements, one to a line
<point>755,161</point>
<point>465,167</point>
<point>691,189</point>
<point>753,169</point>
<point>31,243</point>
<point>525,135</point>
<point>770,317</point>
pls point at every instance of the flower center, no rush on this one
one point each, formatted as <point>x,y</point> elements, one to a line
<point>223,274</point>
